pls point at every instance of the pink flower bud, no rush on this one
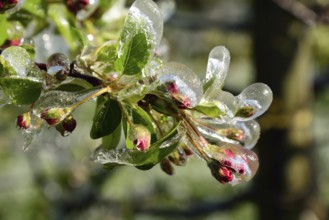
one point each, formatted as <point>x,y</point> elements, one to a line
<point>24,120</point>
<point>76,5</point>
<point>140,136</point>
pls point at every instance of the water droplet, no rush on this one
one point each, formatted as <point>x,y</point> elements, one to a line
<point>259,96</point>
<point>218,63</point>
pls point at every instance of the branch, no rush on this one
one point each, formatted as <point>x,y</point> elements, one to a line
<point>302,12</point>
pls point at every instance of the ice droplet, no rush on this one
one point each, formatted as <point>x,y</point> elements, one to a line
<point>33,130</point>
<point>145,17</point>
<point>188,83</point>
<point>257,95</point>
<point>242,162</point>
<point>218,63</point>
<point>18,58</point>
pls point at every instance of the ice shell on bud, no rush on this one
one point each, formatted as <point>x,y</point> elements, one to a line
<point>258,96</point>
<point>217,68</point>
<point>54,116</point>
<point>24,120</point>
<point>58,60</point>
<point>182,83</point>
<point>140,136</point>
<point>82,8</point>
<point>251,131</point>
<point>242,162</point>
<point>11,6</point>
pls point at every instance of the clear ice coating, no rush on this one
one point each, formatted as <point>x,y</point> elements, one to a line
<point>61,99</point>
<point>251,131</point>
<point>17,7</point>
<point>33,130</point>
<point>242,162</point>
<point>19,59</point>
<point>145,17</point>
<point>117,156</point>
<point>225,101</point>
<point>217,68</point>
<point>257,95</point>
<point>188,83</point>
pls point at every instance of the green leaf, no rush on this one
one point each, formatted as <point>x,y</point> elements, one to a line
<point>61,17</point>
<point>210,110</point>
<point>112,140</point>
<point>37,8</point>
<point>135,55</point>
<point>3,29</point>
<point>141,117</point>
<point>5,68</point>
<point>107,118</point>
<point>107,52</point>
<point>21,91</point>
<point>74,85</point>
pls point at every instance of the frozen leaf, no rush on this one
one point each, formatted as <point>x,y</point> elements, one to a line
<point>182,84</point>
<point>107,118</point>
<point>232,162</point>
<point>62,99</point>
<point>19,60</point>
<point>21,91</point>
<point>257,97</point>
<point>140,36</point>
<point>218,63</point>
<point>225,102</point>
<point>137,158</point>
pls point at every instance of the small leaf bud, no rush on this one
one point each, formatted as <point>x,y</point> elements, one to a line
<point>245,112</point>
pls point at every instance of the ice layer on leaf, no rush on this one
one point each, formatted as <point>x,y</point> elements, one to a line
<point>181,82</point>
<point>143,17</point>
<point>241,162</point>
<point>61,99</point>
<point>19,59</point>
<point>258,96</point>
<point>218,63</point>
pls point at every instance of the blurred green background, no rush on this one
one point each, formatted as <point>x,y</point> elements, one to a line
<point>55,178</point>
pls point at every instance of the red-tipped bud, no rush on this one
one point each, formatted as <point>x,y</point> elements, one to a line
<point>76,5</point>
<point>140,136</point>
<point>6,5</point>
<point>167,167</point>
<point>54,116</point>
<point>24,120</point>
<point>67,126</point>
<point>222,173</point>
